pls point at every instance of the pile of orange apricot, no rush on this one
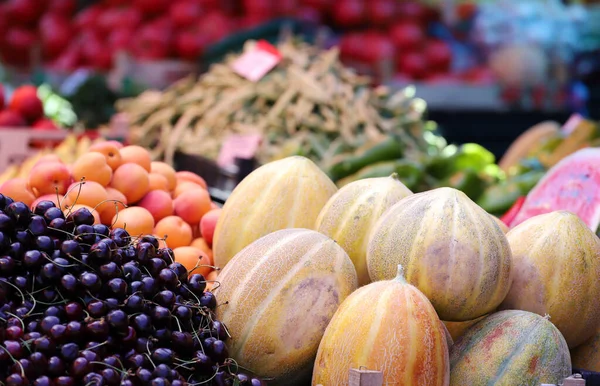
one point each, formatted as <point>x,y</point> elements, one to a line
<point>123,187</point>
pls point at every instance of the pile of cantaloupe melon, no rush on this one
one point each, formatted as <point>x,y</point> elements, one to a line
<point>427,288</point>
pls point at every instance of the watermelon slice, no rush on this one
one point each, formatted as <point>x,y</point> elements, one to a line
<point>573,184</point>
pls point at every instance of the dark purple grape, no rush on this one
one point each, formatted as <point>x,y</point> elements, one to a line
<point>47,323</point>
<point>163,336</point>
<point>182,341</point>
<point>54,311</point>
<point>19,212</point>
<point>161,316</point>
<point>51,272</point>
<point>149,287</point>
<point>32,327</point>
<point>207,342</point>
<point>166,254</point>
<point>39,362</point>
<point>149,239</point>
<point>128,254</point>
<point>56,366</point>
<point>131,272</point>
<point>222,378</point>
<point>111,377</point>
<point>80,367</point>
<point>117,287</point>
<point>97,329</point>
<point>73,311</point>
<point>208,300</point>
<point>202,362</point>
<point>69,283</point>
<point>93,379</point>
<point>135,287</point>
<point>109,271</point>
<point>24,237</point>
<point>113,361</point>
<point>14,348</point>
<point>16,379</point>
<point>143,375</point>
<point>120,236</point>
<point>155,265</point>
<point>71,248</point>
<point>101,229</point>
<point>183,313</point>
<point>45,244</point>
<point>111,303</point>
<point>168,278</point>
<point>142,323</point>
<point>117,319</point>
<point>43,206</point>
<point>162,371</point>
<point>160,382</point>
<point>52,213</point>
<point>44,380</point>
<point>137,360</point>
<point>58,333</point>
<point>130,336</point>
<point>101,253</point>
<point>82,216</point>
<point>84,234</point>
<point>7,224</point>
<point>145,252</point>
<point>74,330</point>
<point>90,281</point>
<point>69,351</point>
<point>25,365</point>
<point>178,382</point>
<point>97,308</point>
<point>219,351</point>
<point>5,201</point>
<point>165,298</point>
<point>7,265</point>
<point>48,295</point>
<point>4,241</point>
<point>180,270</point>
<point>64,381</point>
<point>13,333</point>
<point>134,304</point>
<point>127,382</point>
<point>57,227</point>
<point>16,250</point>
<point>243,379</point>
<point>33,259</point>
<point>197,284</point>
<point>38,226</point>
<point>90,355</point>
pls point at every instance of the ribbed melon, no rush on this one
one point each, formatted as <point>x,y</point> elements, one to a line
<point>281,292</point>
<point>586,356</point>
<point>452,250</point>
<point>510,348</point>
<point>457,329</point>
<point>501,224</point>
<point>556,260</point>
<point>287,193</point>
<point>350,214</point>
<point>388,326</point>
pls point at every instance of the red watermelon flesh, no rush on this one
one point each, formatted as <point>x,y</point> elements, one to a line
<point>573,184</point>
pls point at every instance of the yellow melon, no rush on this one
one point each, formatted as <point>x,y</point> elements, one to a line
<point>556,260</point>
<point>281,292</point>
<point>457,329</point>
<point>287,193</point>
<point>452,250</point>
<point>388,326</point>
<point>350,214</point>
<point>501,224</point>
<point>587,355</point>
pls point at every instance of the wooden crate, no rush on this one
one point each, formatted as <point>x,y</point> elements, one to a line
<point>15,143</point>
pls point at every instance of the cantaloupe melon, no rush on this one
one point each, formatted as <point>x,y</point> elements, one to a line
<point>287,193</point>
<point>452,250</point>
<point>281,292</point>
<point>457,329</point>
<point>586,356</point>
<point>501,224</point>
<point>556,260</point>
<point>388,326</point>
<point>350,214</point>
<point>510,348</point>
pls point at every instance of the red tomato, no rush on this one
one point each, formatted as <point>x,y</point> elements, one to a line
<point>320,5</point>
<point>55,34</point>
<point>376,47</point>
<point>216,25</point>
<point>479,75</point>
<point>258,7</point>
<point>63,7</point>
<point>95,53</point>
<point>189,45</point>
<point>44,124</point>
<point>252,21</point>
<point>113,18</point>
<point>286,7</point>
<point>26,103</point>
<point>19,43</point>
<point>185,13</point>
<point>88,18</point>
<point>152,41</point>
<point>381,12</point>
<point>69,60</point>
<point>24,12</point>
<point>348,13</point>
<point>351,45</point>
<point>412,64</point>
<point>407,35</point>
<point>152,7</point>
<point>121,38</point>
<point>413,11</point>
<point>438,55</point>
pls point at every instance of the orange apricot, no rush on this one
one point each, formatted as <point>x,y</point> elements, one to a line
<point>178,233</point>
<point>115,203</point>
<point>191,177</point>
<point>88,193</point>
<point>193,259</point>
<point>159,203</point>
<point>18,189</point>
<point>165,170</point>
<point>135,220</point>
<point>136,154</point>
<point>192,205</point>
<point>202,245</point>
<point>49,178</point>
<point>158,182</point>
<point>132,180</point>
<point>92,167</point>
<point>184,187</point>
<point>208,223</point>
<point>110,151</point>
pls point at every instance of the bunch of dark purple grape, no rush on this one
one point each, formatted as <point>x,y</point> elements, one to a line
<point>81,304</point>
